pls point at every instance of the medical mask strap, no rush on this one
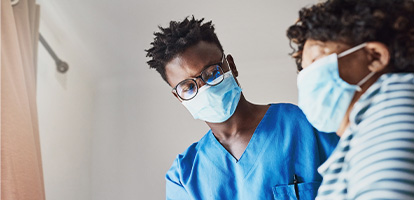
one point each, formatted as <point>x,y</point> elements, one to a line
<point>364,80</point>
<point>352,50</point>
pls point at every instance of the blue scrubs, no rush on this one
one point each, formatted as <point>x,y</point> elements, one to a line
<point>284,144</point>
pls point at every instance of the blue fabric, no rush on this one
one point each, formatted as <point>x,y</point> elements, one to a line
<point>283,144</point>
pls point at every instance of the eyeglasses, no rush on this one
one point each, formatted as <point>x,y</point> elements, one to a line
<point>211,75</point>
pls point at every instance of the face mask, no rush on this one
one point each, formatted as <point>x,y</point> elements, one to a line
<point>323,96</point>
<point>217,103</point>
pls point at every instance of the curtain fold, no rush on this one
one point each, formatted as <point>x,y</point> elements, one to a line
<point>21,162</point>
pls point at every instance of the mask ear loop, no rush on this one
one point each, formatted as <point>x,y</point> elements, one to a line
<point>359,89</point>
<point>352,50</point>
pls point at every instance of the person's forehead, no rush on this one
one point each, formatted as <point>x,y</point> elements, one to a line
<point>315,49</point>
<point>191,62</point>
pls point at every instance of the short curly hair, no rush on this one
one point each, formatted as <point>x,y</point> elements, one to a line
<point>353,22</point>
<point>175,39</point>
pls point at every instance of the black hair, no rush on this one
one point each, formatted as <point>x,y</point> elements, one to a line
<point>353,22</point>
<point>176,38</point>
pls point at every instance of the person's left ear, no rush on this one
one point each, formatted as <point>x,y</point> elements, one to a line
<point>379,56</point>
<point>232,66</point>
<point>176,96</point>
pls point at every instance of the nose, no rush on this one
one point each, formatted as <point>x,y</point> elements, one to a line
<point>200,82</point>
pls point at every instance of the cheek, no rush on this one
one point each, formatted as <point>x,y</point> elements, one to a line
<point>306,61</point>
<point>345,71</point>
<point>311,55</point>
<point>352,70</point>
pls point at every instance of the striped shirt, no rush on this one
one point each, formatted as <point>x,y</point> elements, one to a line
<point>374,158</point>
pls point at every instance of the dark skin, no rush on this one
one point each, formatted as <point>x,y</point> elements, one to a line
<point>235,133</point>
<point>374,57</point>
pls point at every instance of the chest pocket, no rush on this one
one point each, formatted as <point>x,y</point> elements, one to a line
<point>287,192</point>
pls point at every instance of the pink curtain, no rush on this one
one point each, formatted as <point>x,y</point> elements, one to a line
<point>21,162</point>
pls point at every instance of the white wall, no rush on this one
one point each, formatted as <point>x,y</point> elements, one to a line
<point>65,105</point>
<point>65,108</point>
<point>113,131</point>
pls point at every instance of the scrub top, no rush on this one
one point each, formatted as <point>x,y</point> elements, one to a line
<point>280,162</point>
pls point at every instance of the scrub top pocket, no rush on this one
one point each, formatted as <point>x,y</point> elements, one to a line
<point>307,191</point>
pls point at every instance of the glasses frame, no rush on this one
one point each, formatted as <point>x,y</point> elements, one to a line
<point>174,90</point>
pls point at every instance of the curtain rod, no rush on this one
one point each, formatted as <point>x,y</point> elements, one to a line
<point>61,65</point>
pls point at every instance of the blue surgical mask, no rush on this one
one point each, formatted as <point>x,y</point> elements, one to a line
<point>324,96</point>
<point>217,103</point>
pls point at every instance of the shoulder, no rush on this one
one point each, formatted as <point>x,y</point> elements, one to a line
<point>284,106</point>
<point>395,87</point>
<point>185,160</point>
<point>286,110</point>
<point>385,113</point>
<point>288,119</point>
<point>397,83</point>
<point>286,114</point>
<point>391,96</point>
<point>396,78</point>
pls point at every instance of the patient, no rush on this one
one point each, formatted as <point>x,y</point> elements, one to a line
<point>356,63</point>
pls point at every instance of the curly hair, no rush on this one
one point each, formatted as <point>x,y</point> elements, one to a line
<point>175,39</point>
<point>353,22</point>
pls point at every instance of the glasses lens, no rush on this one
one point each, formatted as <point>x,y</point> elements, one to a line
<point>187,89</point>
<point>213,75</point>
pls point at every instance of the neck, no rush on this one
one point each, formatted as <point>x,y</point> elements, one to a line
<point>245,118</point>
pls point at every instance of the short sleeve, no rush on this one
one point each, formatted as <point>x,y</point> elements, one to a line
<point>174,187</point>
<point>327,143</point>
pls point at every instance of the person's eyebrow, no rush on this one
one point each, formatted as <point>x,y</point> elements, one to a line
<point>214,63</point>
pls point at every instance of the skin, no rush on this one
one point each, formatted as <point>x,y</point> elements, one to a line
<point>352,68</point>
<point>235,133</point>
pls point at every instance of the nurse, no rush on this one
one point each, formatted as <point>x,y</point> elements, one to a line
<point>251,151</point>
<point>356,63</point>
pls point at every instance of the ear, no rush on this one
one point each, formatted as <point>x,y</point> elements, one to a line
<point>379,56</point>
<point>232,66</point>
<point>176,96</point>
